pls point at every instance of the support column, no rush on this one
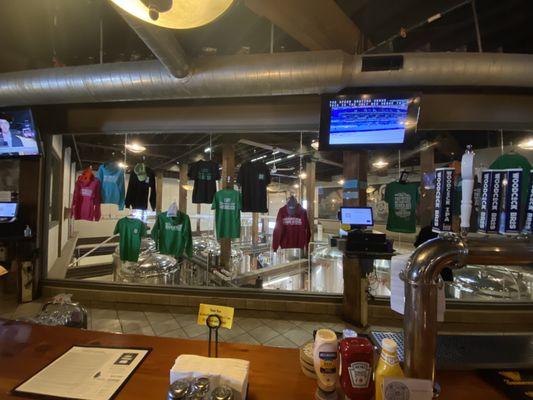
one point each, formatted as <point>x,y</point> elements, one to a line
<point>228,171</point>
<point>255,228</point>
<point>159,191</point>
<point>355,171</point>
<point>198,220</point>
<point>182,193</point>
<point>355,304</point>
<point>427,196</point>
<point>310,181</point>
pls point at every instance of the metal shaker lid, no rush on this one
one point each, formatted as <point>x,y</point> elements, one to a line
<point>222,393</point>
<point>201,384</point>
<point>178,390</point>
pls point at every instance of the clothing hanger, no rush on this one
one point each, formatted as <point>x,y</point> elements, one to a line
<point>403,177</point>
<point>172,209</point>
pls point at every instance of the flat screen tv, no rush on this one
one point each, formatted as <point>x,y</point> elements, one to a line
<point>357,121</point>
<point>18,134</point>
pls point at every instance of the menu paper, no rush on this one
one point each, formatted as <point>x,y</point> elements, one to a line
<point>85,372</point>
<point>397,296</point>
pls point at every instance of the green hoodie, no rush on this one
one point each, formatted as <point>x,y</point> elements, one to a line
<point>172,235</point>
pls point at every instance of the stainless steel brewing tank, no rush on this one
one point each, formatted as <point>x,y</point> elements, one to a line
<point>152,268</point>
<point>327,270</point>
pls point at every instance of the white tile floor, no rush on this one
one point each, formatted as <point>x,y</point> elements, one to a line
<point>253,327</point>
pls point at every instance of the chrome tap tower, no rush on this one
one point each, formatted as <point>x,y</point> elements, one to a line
<point>421,277</point>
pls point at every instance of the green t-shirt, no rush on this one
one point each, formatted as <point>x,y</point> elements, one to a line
<point>402,199</point>
<point>514,160</point>
<point>227,206</point>
<point>172,235</point>
<point>131,231</point>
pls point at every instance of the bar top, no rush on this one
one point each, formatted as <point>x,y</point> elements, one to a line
<point>274,372</point>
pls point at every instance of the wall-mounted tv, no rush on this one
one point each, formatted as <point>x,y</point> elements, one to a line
<point>18,134</point>
<point>357,121</point>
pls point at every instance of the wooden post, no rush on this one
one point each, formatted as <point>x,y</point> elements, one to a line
<point>198,220</point>
<point>159,190</point>
<point>228,170</point>
<point>310,181</point>
<point>355,171</point>
<point>255,228</point>
<point>182,193</point>
<point>427,196</point>
<point>355,305</point>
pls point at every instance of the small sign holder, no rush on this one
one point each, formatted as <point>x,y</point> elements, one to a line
<point>213,322</point>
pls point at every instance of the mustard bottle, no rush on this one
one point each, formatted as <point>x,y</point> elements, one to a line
<point>388,365</point>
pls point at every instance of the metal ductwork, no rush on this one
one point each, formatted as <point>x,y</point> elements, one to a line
<point>311,72</point>
<point>162,42</point>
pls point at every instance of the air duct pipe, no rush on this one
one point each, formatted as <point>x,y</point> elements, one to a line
<point>162,42</point>
<point>421,278</point>
<point>311,72</point>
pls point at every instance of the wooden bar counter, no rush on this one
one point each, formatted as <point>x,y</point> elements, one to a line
<point>275,372</point>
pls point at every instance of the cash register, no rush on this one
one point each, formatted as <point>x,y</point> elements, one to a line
<point>8,212</point>
<point>359,238</point>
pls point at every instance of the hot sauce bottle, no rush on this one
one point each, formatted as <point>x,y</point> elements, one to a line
<point>356,368</point>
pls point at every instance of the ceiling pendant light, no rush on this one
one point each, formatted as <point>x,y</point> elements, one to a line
<point>526,144</point>
<point>135,147</point>
<point>175,14</point>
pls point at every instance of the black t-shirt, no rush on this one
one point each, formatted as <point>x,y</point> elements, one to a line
<point>137,194</point>
<point>254,178</point>
<point>205,174</point>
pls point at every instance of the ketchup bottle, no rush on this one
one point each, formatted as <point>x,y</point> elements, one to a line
<point>356,368</point>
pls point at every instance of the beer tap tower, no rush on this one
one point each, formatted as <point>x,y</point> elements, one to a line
<point>421,275</point>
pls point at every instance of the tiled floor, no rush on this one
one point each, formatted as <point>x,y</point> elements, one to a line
<point>254,327</point>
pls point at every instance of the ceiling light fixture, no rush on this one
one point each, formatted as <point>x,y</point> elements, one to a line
<point>271,162</point>
<point>526,144</point>
<point>275,152</point>
<point>380,164</point>
<point>303,175</point>
<point>296,186</point>
<point>122,165</point>
<point>135,147</point>
<point>314,144</point>
<point>340,181</point>
<point>291,156</point>
<point>207,150</point>
<point>258,158</point>
<point>175,14</point>
<point>187,187</point>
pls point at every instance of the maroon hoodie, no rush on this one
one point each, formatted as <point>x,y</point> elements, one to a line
<point>291,231</point>
<point>86,199</point>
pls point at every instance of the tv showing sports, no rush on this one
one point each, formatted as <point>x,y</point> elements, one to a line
<point>18,135</point>
<point>367,120</point>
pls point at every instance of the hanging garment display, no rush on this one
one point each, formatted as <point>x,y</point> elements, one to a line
<point>172,235</point>
<point>227,206</point>
<point>131,231</point>
<point>514,160</point>
<point>142,180</point>
<point>111,178</point>
<point>292,227</point>
<point>253,178</point>
<point>205,175</point>
<point>86,198</point>
<point>402,199</point>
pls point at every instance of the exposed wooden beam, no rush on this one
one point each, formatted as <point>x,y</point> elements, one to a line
<point>316,24</point>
